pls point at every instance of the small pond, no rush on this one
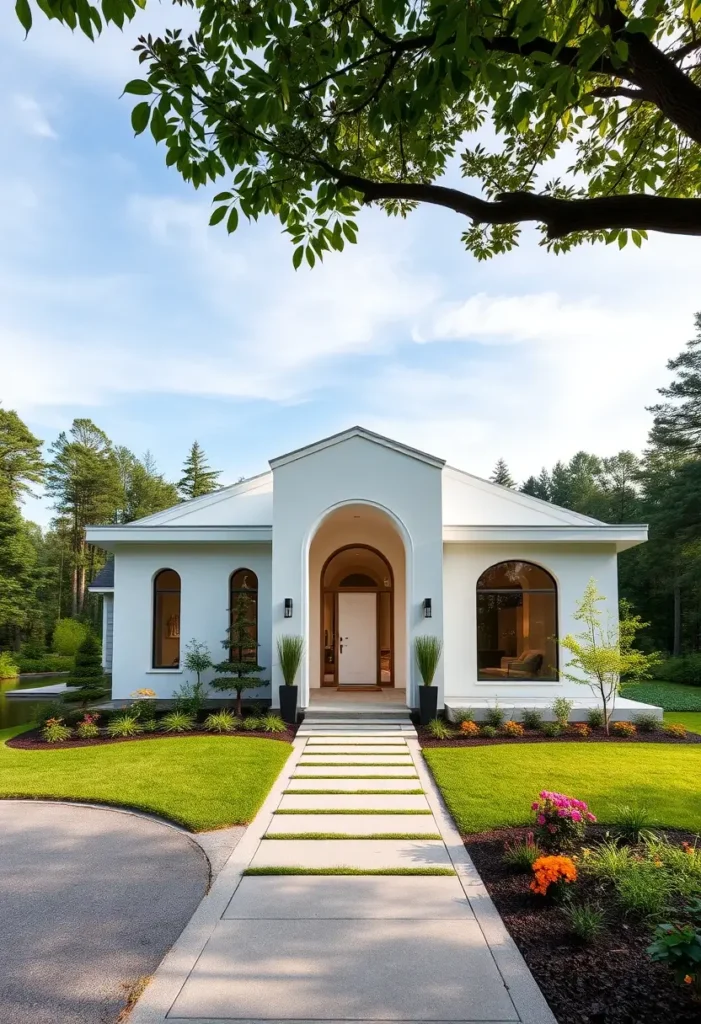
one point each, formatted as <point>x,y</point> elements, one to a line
<point>18,712</point>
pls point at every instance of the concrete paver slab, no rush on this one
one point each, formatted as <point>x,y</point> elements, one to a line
<point>349,896</point>
<point>345,970</point>
<point>355,739</point>
<point>354,824</point>
<point>357,771</point>
<point>356,759</point>
<point>352,802</point>
<point>368,854</point>
<point>349,785</point>
<point>365,749</point>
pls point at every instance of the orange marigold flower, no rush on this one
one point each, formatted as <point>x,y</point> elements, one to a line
<point>551,870</point>
<point>688,979</point>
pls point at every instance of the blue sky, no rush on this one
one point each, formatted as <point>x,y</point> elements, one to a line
<point>118,302</point>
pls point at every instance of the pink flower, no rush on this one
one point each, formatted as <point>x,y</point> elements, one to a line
<point>576,816</point>
<point>535,806</point>
<point>541,819</point>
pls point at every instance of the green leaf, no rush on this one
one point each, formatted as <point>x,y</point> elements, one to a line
<point>24,13</point>
<point>218,215</point>
<point>139,117</point>
<point>222,197</point>
<point>643,26</point>
<point>233,221</point>
<point>297,257</point>
<point>310,256</point>
<point>137,87</point>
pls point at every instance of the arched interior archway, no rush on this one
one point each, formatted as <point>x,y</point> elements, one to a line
<point>357,601</point>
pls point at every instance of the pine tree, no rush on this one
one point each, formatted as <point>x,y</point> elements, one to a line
<point>530,486</point>
<point>84,480</point>
<point>145,490</point>
<point>20,575</point>
<point>677,423</point>
<point>501,475</point>
<point>241,671</point>
<point>560,485</point>
<point>197,478</point>
<point>21,462</point>
<point>538,486</point>
<point>88,675</point>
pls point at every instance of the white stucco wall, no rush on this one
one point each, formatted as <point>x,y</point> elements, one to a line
<point>356,470</point>
<point>204,571</point>
<point>571,566</point>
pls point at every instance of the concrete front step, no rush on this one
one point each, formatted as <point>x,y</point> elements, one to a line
<point>354,824</point>
<point>355,771</point>
<point>379,736</point>
<point>296,897</point>
<point>351,759</point>
<point>360,722</point>
<point>349,785</point>
<point>377,854</point>
<point>353,802</point>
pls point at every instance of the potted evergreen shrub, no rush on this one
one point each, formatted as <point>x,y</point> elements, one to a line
<point>241,671</point>
<point>289,652</point>
<point>428,653</point>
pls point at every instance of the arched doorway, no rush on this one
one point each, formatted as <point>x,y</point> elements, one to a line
<point>357,618</point>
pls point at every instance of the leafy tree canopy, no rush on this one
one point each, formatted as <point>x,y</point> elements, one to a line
<point>311,107</point>
<point>21,462</point>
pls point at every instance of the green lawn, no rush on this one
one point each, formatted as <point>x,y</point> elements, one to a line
<point>668,696</point>
<point>200,782</point>
<point>490,787</point>
<point>691,719</point>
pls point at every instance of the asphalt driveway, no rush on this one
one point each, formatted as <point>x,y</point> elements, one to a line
<point>90,901</point>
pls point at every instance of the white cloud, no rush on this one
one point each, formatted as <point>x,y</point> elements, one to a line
<point>31,118</point>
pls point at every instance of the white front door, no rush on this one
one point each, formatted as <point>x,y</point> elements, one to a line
<point>357,632</point>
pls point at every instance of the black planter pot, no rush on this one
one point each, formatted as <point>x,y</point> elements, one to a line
<point>428,703</point>
<point>288,704</point>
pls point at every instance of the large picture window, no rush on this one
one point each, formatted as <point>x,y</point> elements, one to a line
<point>516,623</point>
<point>166,619</point>
<point>244,595</point>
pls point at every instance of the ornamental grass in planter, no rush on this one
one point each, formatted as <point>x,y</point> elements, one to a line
<point>289,651</point>
<point>428,650</point>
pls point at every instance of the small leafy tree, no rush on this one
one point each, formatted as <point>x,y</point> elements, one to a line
<point>88,675</point>
<point>603,652</point>
<point>197,659</point>
<point>69,634</point>
<point>241,671</point>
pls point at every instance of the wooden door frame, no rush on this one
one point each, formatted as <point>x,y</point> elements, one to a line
<point>357,590</point>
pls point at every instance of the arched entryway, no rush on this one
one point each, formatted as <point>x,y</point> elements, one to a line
<point>357,625</point>
<point>357,618</point>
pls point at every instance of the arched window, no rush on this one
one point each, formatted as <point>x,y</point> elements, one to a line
<point>516,623</point>
<point>166,619</point>
<point>243,606</point>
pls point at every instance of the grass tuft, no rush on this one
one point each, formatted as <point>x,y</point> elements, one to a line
<point>348,871</point>
<point>346,835</point>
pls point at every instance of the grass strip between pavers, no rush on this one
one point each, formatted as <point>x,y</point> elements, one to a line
<point>346,835</point>
<point>343,810</point>
<point>355,764</point>
<point>348,871</point>
<point>354,792</point>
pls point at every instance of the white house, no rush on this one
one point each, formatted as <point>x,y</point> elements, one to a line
<point>360,544</point>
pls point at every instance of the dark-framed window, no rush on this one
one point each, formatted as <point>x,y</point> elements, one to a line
<point>517,623</point>
<point>243,588</point>
<point>166,619</point>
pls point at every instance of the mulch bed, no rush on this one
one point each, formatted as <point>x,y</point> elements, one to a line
<point>597,736</point>
<point>612,981</point>
<point>32,740</point>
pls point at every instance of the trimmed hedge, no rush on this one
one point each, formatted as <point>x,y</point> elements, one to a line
<point>46,663</point>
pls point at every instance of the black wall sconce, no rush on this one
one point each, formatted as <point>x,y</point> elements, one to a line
<point>428,611</point>
<point>288,607</point>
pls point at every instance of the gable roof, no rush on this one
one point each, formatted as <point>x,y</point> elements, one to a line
<point>469,500</point>
<point>246,503</point>
<point>346,435</point>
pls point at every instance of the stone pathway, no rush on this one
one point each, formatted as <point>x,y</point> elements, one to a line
<point>351,898</point>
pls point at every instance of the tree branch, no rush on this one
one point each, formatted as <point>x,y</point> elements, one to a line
<point>561,217</point>
<point>610,91</point>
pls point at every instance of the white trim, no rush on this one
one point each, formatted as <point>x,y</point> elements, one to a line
<point>625,536</point>
<point>103,536</point>
<point>164,671</point>
<point>101,590</point>
<point>345,435</point>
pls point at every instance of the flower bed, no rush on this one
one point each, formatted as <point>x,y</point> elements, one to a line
<point>574,733</point>
<point>610,980</point>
